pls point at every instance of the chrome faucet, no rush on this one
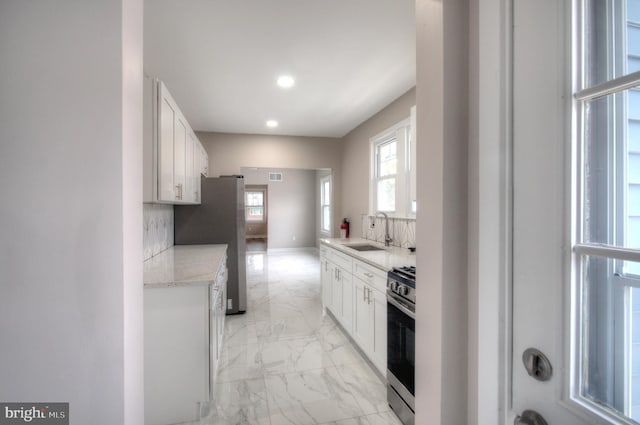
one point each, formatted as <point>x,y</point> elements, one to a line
<point>387,238</point>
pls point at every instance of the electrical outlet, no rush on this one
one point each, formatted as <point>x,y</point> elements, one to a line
<point>293,238</point>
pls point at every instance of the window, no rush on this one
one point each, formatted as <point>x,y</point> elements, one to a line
<point>606,242</point>
<point>390,171</point>
<point>254,205</point>
<point>325,204</point>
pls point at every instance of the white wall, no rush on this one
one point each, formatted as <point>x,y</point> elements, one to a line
<point>228,153</point>
<point>291,206</point>
<point>70,251</point>
<point>292,210</point>
<point>355,158</point>
<point>442,142</point>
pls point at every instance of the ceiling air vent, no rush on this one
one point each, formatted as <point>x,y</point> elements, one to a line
<point>275,177</point>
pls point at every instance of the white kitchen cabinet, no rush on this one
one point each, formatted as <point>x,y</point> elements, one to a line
<point>176,353</point>
<point>362,323</point>
<point>168,118</point>
<point>342,296</point>
<point>184,315</point>
<point>180,160</point>
<point>326,278</point>
<point>378,354</point>
<point>172,153</point>
<point>370,322</point>
<point>337,285</point>
<point>354,292</point>
<point>347,300</point>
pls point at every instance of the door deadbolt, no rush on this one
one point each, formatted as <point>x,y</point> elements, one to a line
<point>529,417</point>
<point>537,364</point>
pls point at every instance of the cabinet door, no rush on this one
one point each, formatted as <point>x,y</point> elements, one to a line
<point>179,159</point>
<point>336,292</point>
<point>326,279</point>
<point>205,168</point>
<point>379,343</point>
<point>167,116</point>
<point>347,300</point>
<point>362,323</point>
<point>190,194</point>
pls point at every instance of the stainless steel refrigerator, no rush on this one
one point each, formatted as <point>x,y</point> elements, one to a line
<point>219,219</point>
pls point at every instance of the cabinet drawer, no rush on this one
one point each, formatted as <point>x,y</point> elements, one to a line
<point>370,274</point>
<point>342,260</point>
<point>323,251</point>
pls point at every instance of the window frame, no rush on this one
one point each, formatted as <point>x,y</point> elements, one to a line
<point>325,180</point>
<point>263,205</point>
<point>401,133</point>
<point>613,251</point>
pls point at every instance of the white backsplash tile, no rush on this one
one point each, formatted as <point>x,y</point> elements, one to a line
<point>157,229</point>
<point>401,230</point>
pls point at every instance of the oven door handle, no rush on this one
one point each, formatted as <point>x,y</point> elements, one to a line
<point>403,308</point>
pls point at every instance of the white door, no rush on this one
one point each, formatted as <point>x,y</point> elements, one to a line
<point>576,195</point>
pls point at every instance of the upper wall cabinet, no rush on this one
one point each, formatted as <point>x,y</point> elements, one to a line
<point>174,158</point>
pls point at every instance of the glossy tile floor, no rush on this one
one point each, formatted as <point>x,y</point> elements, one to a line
<point>283,362</point>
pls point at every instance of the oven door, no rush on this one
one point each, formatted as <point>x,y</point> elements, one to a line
<point>401,347</point>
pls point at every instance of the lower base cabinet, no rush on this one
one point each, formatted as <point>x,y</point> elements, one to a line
<point>176,353</point>
<point>359,304</point>
<point>370,322</point>
<point>183,335</point>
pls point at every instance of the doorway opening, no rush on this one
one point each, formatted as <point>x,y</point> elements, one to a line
<point>257,225</point>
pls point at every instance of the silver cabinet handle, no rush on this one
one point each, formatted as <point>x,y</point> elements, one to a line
<point>367,274</point>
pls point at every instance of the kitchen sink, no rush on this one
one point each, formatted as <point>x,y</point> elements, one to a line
<point>364,247</point>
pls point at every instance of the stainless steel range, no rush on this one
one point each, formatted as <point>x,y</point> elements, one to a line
<point>401,325</point>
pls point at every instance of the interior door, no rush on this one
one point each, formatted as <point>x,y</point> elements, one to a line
<point>576,198</point>
<point>540,162</point>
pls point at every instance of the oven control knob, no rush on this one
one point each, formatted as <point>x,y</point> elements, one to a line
<point>393,285</point>
<point>403,290</point>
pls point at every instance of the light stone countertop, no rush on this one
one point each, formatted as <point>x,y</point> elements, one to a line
<point>183,265</point>
<point>385,260</point>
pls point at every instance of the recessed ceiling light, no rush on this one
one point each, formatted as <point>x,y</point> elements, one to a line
<point>286,81</point>
<point>272,123</point>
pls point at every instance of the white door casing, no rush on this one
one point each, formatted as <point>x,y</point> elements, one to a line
<point>541,146</point>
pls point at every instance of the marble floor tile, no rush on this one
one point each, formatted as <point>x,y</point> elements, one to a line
<point>370,391</point>
<point>294,326</point>
<point>239,330</point>
<point>310,398</point>
<point>239,403</point>
<point>294,355</point>
<point>285,362</point>
<point>240,362</point>
<point>344,353</point>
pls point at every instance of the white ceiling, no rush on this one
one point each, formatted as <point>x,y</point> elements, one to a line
<point>220,60</point>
